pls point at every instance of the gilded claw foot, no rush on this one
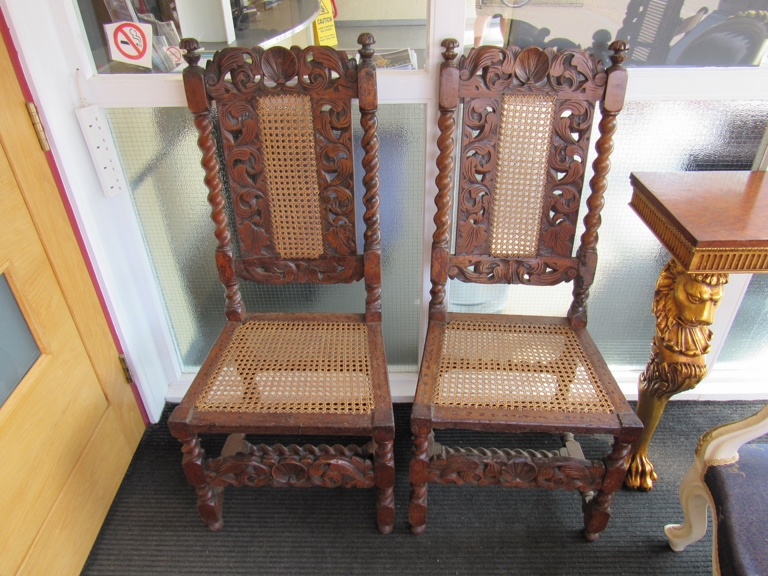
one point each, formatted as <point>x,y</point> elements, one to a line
<point>640,473</point>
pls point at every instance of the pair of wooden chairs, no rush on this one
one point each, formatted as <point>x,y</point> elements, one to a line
<point>286,143</point>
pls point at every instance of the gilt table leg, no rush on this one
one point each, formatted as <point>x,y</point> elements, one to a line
<point>684,305</point>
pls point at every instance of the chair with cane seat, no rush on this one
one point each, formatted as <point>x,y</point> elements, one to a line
<point>285,123</point>
<point>525,123</point>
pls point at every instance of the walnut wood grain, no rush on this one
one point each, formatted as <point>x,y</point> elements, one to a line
<point>449,77</point>
<point>515,468</point>
<point>490,70</point>
<point>384,459</point>
<point>534,271</point>
<point>208,497</point>
<point>239,127</point>
<point>575,81</point>
<point>419,476</point>
<point>587,253</point>
<point>370,143</point>
<point>335,174</point>
<point>597,511</point>
<point>235,79</point>
<point>300,466</point>
<point>234,308</point>
<point>329,270</point>
<point>246,73</point>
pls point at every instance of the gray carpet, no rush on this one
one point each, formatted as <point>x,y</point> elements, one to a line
<point>153,526</point>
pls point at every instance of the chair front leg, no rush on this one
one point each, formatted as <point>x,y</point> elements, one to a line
<point>419,474</point>
<point>384,462</point>
<point>597,511</point>
<point>208,497</point>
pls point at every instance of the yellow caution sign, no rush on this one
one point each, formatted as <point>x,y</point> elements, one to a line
<point>325,29</point>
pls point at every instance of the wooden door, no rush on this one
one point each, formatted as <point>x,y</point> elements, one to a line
<point>69,429</point>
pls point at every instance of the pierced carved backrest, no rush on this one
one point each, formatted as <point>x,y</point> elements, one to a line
<point>286,127</point>
<point>285,118</point>
<point>525,123</point>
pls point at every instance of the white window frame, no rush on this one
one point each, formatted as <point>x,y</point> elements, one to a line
<point>52,46</point>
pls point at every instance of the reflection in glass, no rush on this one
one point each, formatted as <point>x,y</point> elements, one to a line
<point>399,27</point>
<point>18,349</point>
<point>659,32</point>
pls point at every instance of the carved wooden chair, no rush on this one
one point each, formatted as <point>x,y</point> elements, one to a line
<point>286,132</point>
<point>525,127</point>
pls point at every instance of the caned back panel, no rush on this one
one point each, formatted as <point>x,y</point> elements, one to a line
<point>526,121</point>
<point>286,128</point>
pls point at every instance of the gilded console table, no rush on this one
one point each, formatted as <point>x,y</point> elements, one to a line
<point>713,224</point>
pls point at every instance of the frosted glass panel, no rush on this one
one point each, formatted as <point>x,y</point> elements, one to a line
<point>747,344</point>
<point>652,136</point>
<point>18,349</point>
<point>401,153</point>
<point>161,160</point>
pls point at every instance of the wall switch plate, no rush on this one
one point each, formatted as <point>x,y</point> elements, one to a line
<point>101,145</point>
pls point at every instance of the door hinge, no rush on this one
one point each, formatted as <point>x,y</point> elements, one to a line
<point>126,370</point>
<point>35,117</point>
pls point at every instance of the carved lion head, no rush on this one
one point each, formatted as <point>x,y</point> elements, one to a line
<point>684,305</point>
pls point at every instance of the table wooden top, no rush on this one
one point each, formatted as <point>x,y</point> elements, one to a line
<point>709,221</point>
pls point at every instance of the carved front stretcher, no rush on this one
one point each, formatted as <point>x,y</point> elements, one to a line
<point>564,469</point>
<point>300,466</point>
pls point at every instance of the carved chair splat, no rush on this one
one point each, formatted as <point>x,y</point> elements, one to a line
<point>286,142</point>
<point>525,126</point>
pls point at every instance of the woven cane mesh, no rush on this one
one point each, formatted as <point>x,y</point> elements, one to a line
<point>288,141</point>
<point>522,153</point>
<point>516,366</point>
<point>293,367</point>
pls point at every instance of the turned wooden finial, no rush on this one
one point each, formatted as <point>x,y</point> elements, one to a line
<point>190,46</point>
<point>619,48</point>
<point>366,40</point>
<point>450,45</point>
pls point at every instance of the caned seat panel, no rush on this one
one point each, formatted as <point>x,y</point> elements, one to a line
<point>305,367</point>
<point>538,367</point>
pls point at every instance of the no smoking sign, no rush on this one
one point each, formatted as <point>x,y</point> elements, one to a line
<point>130,42</point>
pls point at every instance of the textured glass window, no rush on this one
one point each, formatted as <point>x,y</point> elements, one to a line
<point>159,153</point>
<point>651,136</point>
<point>18,349</point>
<point>747,344</point>
<point>659,32</point>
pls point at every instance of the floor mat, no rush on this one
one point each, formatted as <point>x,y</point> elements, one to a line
<point>153,526</point>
